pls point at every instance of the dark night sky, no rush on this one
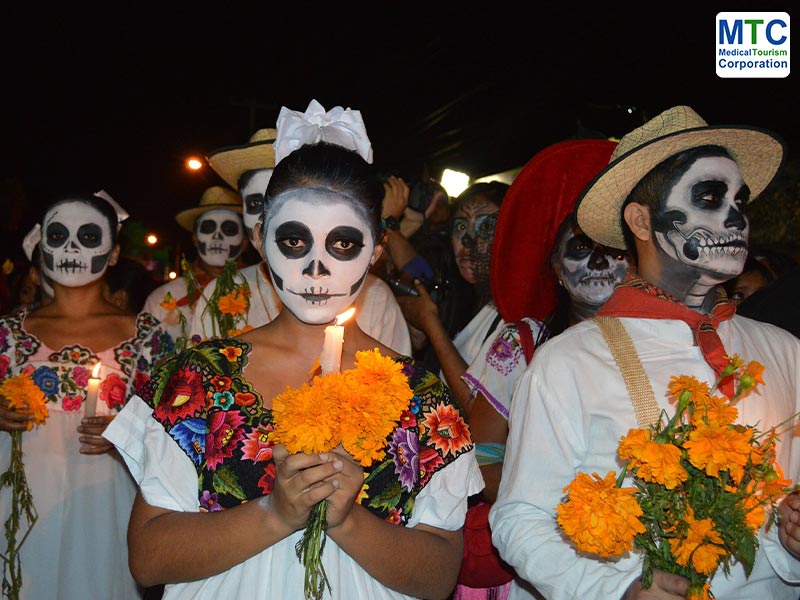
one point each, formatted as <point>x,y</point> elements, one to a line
<point>117,97</point>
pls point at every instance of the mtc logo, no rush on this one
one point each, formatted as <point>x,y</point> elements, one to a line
<point>732,31</point>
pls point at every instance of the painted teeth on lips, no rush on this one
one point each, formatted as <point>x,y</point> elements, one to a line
<point>71,265</point>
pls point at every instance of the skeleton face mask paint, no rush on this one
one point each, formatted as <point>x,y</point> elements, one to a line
<point>700,223</point>
<point>219,236</point>
<point>473,231</point>
<point>76,244</point>
<point>252,194</point>
<point>589,271</point>
<point>319,249</point>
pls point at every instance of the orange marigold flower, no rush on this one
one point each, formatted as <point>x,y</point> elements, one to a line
<point>717,410</point>
<point>716,449</point>
<point>169,303</point>
<point>305,417</point>
<point>357,409</point>
<point>599,517</point>
<point>233,303</point>
<point>25,397</point>
<point>755,513</point>
<point>231,353</point>
<point>697,389</point>
<point>701,546</point>
<point>652,461</point>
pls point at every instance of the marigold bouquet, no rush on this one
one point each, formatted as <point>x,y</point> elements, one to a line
<point>702,487</point>
<point>357,408</point>
<point>25,397</point>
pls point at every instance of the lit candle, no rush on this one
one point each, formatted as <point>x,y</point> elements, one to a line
<point>91,392</point>
<point>330,361</point>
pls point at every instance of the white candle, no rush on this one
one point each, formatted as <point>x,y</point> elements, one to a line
<point>91,392</point>
<point>330,361</point>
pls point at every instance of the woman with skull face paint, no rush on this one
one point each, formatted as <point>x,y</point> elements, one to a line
<point>468,316</point>
<point>536,245</point>
<point>81,490</point>
<point>320,234</point>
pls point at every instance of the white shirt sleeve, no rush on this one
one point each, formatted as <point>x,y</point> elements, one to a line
<point>545,443</point>
<point>163,472</point>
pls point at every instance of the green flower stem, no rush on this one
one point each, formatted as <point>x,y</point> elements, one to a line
<point>309,551</point>
<point>21,506</point>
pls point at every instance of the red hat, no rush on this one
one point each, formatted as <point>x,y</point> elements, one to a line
<point>539,199</point>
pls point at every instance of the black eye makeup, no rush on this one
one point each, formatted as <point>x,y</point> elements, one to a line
<point>709,194</point>
<point>56,235</point>
<point>344,242</point>
<point>578,247</point>
<point>207,226</point>
<point>90,235</point>
<point>294,239</point>
<point>230,228</point>
<point>254,203</point>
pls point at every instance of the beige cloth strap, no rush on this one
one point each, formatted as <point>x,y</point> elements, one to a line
<point>624,353</point>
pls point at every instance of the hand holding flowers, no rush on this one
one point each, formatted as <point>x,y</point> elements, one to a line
<point>23,406</point>
<point>703,485</point>
<point>336,415</point>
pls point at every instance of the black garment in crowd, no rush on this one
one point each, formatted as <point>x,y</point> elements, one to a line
<point>776,302</point>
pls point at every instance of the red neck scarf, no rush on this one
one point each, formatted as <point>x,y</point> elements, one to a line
<point>637,298</point>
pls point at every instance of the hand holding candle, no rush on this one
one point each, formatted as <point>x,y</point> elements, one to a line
<point>330,361</point>
<point>90,408</point>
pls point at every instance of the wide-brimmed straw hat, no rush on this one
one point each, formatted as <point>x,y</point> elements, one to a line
<point>540,198</point>
<point>213,198</point>
<point>231,162</point>
<point>758,152</point>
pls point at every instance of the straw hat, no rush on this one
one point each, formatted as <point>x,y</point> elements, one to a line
<point>213,198</point>
<point>231,162</point>
<point>758,152</point>
<point>540,198</point>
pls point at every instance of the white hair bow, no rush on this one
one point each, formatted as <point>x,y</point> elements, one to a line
<point>341,126</point>
<point>33,237</point>
<point>122,214</point>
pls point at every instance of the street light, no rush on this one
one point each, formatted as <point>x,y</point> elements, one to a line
<point>151,239</point>
<point>194,164</point>
<point>454,182</point>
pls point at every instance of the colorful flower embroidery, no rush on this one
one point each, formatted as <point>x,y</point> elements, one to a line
<point>405,450</point>
<point>224,433</point>
<point>46,380</point>
<point>80,376</point>
<point>233,455</point>
<point>183,397</point>
<point>448,430</point>
<point>208,502</point>
<point>113,390</point>
<point>71,403</point>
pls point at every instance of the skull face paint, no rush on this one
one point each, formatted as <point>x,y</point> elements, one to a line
<point>588,270</point>
<point>219,236</point>
<point>472,235</point>
<point>319,249</point>
<point>252,194</point>
<point>76,244</point>
<point>700,223</point>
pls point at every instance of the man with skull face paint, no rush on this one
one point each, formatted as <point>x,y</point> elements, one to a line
<point>321,232</point>
<point>218,236</point>
<point>249,168</point>
<point>81,490</point>
<point>676,187</point>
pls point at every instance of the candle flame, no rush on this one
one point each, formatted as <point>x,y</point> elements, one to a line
<point>344,316</point>
<point>96,371</point>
